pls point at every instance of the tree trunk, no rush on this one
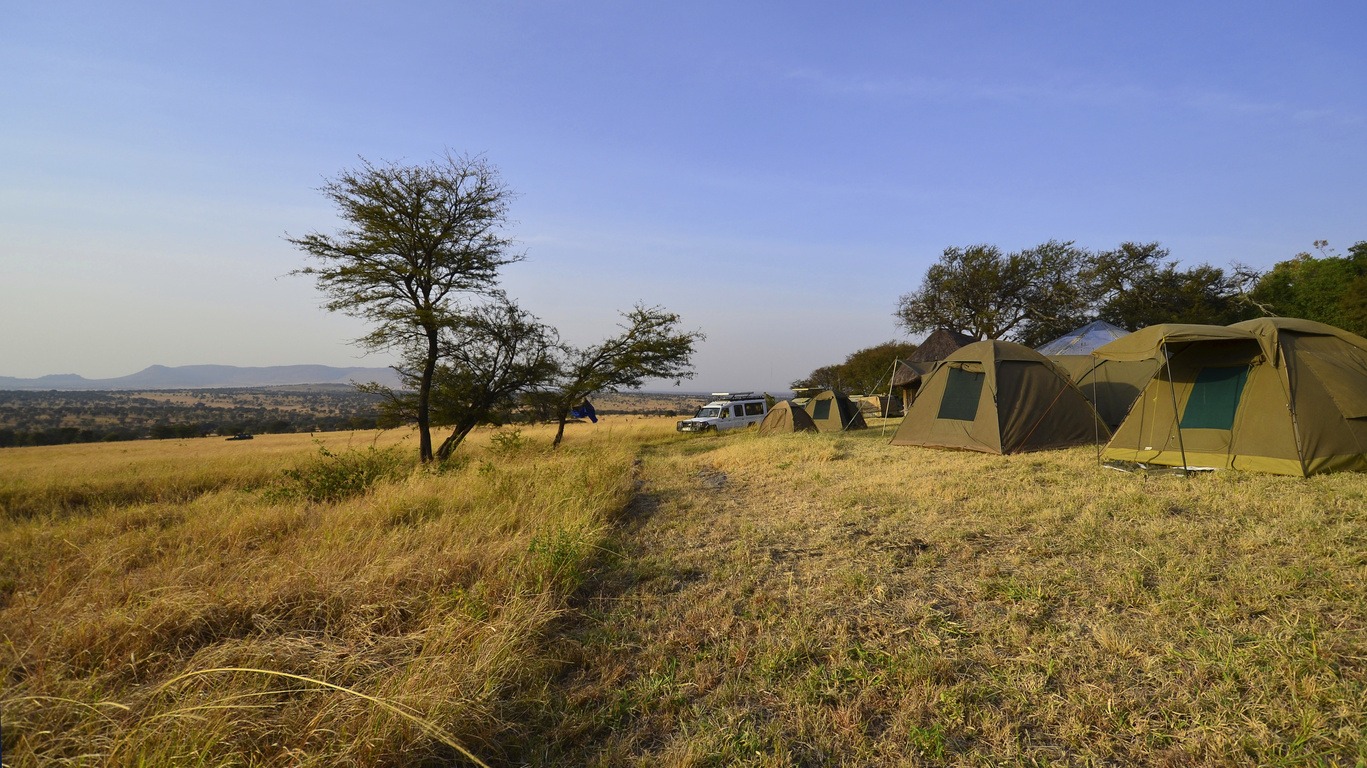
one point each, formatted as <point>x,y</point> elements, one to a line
<point>563,416</point>
<point>429,369</point>
<point>453,441</point>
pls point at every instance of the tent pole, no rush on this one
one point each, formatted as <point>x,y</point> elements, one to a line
<point>1176,417</point>
<point>883,428</point>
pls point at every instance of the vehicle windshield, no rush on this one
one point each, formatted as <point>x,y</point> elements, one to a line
<point>708,413</point>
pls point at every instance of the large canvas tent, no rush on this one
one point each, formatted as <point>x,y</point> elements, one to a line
<point>1110,385</point>
<point>832,411</point>
<point>786,416</point>
<point>1276,395</point>
<point>999,397</point>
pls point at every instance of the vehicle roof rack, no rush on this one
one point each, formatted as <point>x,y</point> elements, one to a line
<point>732,395</point>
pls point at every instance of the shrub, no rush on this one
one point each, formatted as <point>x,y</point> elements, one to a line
<point>332,477</point>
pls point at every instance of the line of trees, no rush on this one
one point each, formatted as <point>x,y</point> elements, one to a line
<point>418,258</point>
<point>1037,294</point>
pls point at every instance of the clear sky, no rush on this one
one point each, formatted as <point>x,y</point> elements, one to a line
<point>778,173</point>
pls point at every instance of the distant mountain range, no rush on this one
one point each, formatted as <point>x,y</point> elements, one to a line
<point>208,377</point>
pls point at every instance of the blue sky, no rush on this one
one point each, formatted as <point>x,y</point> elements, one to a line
<point>777,173</point>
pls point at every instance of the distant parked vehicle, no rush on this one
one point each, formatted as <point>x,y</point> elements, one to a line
<point>240,436</point>
<point>727,410</point>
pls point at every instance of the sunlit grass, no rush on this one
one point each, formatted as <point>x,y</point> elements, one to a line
<point>396,626</point>
<point>815,599</point>
<point>645,598</point>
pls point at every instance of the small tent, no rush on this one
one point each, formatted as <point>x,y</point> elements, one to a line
<point>999,397</point>
<point>1275,394</point>
<point>784,417</point>
<point>1110,385</point>
<point>832,411</point>
<point>907,374</point>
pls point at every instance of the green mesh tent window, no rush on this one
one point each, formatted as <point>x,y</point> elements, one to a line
<point>1214,398</point>
<point>962,390</point>
<point>821,409</point>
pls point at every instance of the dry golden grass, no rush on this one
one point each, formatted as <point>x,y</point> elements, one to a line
<point>214,626</point>
<point>642,598</point>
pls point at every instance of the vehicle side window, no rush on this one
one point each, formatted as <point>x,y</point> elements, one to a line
<point>738,410</point>
<point>754,409</point>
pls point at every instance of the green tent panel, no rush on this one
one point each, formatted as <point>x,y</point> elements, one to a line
<point>999,397</point>
<point>784,417</point>
<point>1277,395</point>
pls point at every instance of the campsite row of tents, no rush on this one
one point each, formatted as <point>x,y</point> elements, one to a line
<point>1276,395</point>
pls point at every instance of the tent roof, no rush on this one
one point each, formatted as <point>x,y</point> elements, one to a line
<point>1081,341</point>
<point>995,349</point>
<point>1147,343</point>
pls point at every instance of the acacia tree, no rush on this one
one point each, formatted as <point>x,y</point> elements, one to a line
<point>1037,294</point>
<point>1138,285</point>
<point>489,356</point>
<point>989,294</point>
<point>650,346</point>
<point>415,240</point>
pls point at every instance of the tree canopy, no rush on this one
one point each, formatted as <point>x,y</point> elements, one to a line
<point>415,241</point>
<point>865,371</point>
<point>650,346</point>
<point>1329,289</point>
<point>1040,293</point>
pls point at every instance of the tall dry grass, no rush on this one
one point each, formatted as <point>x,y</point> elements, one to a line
<point>167,604</point>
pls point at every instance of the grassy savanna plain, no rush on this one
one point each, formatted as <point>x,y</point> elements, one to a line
<point>644,598</point>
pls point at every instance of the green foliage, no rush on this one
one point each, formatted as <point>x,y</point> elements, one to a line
<point>336,476</point>
<point>1040,293</point>
<point>1328,289</point>
<point>864,371</point>
<point>557,559</point>
<point>488,358</point>
<point>650,346</point>
<point>416,239</point>
<point>1149,291</point>
<point>509,443</point>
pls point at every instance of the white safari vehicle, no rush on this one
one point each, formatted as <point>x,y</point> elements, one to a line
<point>727,410</point>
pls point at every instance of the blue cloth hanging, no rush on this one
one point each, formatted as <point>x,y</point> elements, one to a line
<point>585,411</point>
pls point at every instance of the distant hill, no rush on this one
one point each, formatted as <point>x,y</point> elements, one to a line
<point>207,377</point>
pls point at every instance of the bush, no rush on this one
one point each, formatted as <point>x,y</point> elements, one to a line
<point>332,477</point>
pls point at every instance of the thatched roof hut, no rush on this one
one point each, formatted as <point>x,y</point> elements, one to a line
<point>937,346</point>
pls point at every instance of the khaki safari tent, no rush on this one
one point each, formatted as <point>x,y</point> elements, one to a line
<point>786,416</point>
<point>833,411</point>
<point>1276,395</point>
<point>999,397</point>
<point>1110,385</point>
